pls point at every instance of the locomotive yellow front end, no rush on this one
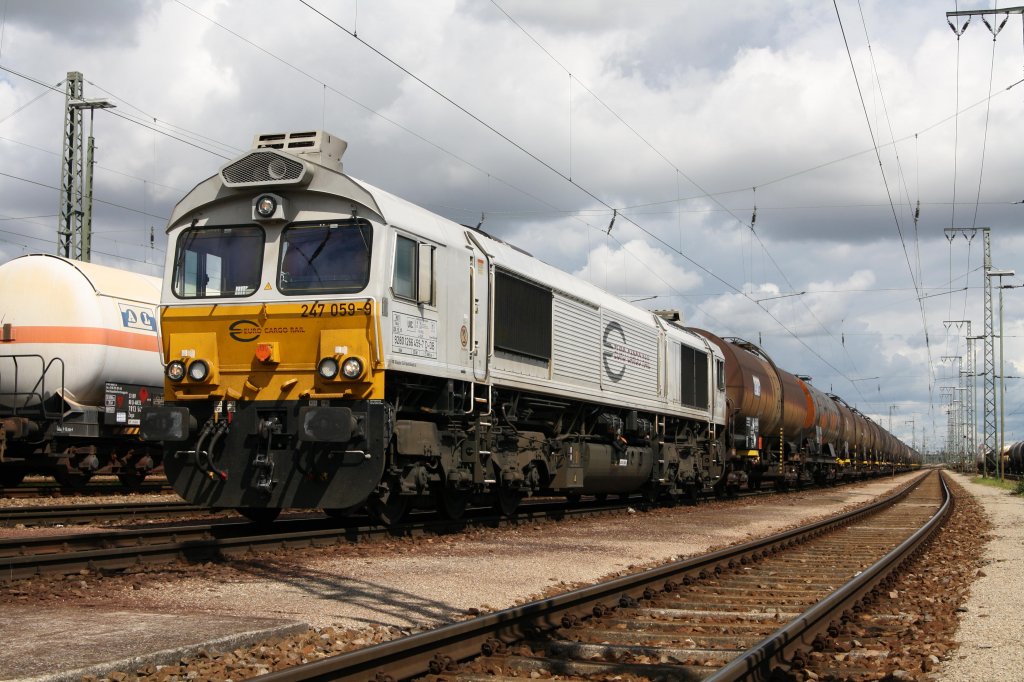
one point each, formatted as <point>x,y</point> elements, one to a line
<point>271,336</point>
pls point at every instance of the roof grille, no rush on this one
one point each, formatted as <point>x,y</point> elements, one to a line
<point>263,168</point>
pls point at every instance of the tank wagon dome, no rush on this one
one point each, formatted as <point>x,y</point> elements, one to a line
<point>87,324</point>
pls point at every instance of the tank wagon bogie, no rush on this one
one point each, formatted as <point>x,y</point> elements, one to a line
<point>330,345</point>
<point>78,360</point>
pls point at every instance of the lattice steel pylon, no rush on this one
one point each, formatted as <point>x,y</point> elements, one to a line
<point>72,191</point>
<point>989,361</point>
<point>970,424</point>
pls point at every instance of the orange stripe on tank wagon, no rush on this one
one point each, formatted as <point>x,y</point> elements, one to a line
<point>83,335</point>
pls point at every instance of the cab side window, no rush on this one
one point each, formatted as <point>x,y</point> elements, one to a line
<point>414,270</point>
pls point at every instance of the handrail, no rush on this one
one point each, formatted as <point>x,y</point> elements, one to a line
<point>38,391</point>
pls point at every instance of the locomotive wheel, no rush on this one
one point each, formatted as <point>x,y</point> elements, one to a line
<point>451,503</point>
<point>76,480</point>
<point>341,513</point>
<point>506,500</point>
<point>388,508</point>
<point>11,479</point>
<point>132,480</point>
<point>261,515</point>
<point>650,495</point>
<point>573,498</point>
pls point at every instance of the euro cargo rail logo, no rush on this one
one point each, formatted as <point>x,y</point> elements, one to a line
<point>248,331</point>
<point>244,331</point>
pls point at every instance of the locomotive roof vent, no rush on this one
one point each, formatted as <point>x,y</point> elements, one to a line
<point>267,165</point>
<point>669,315</point>
<point>315,145</point>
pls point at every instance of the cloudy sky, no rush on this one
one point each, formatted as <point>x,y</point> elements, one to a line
<point>750,149</point>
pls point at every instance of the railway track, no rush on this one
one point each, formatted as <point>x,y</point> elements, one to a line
<point>113,550</point>
<point>72,514</point>
<point>745,612</point>
<point>25,557</point>
<point>30,490</point>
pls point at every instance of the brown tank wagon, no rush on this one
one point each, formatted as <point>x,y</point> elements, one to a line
<point>785,430</point>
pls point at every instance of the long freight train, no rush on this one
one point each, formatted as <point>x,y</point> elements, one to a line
<point>330,345</point>
<point>78,360</point>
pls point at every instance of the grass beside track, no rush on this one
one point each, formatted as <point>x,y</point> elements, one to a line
<point>1016,487</point>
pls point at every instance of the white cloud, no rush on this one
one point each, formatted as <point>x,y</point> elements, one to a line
<point>730,99</point>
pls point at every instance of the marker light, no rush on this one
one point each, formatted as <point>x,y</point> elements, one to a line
<point>266,205</point>
<point>327,368</point>
<point>175,370</point>
<point>352,368</point>
<point>198,370</point>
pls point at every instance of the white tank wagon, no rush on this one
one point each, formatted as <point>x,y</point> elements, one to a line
<point>78,359</point>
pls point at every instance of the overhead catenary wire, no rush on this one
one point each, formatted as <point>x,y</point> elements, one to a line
<point>101,201</point>
<point>365,107</point>
<point>899,230</point>
<point>562,175</point>
<point>679,172</point>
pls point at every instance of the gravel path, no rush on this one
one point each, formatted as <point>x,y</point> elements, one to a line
<point>991,632</point>
<point>418,583</point>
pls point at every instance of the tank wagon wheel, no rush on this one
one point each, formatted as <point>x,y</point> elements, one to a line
<point>260,515</point>
<point>451,503</point>
<point>387,506</point>
<point>11,479</point>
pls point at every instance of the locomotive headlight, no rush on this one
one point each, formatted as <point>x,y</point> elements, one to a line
<point>327,368</point>
<point>352,368</point>
<point>198,370</point>
<point>175,370</point>
<point>266,205</point>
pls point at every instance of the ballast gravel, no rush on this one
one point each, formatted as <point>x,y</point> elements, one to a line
<point>357,595</point>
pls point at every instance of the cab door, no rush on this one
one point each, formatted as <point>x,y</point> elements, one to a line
<point>478,303</point>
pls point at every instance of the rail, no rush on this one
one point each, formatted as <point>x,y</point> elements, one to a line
<point>431,652</point>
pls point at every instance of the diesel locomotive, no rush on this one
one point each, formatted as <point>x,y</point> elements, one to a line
<point>330,345</point>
